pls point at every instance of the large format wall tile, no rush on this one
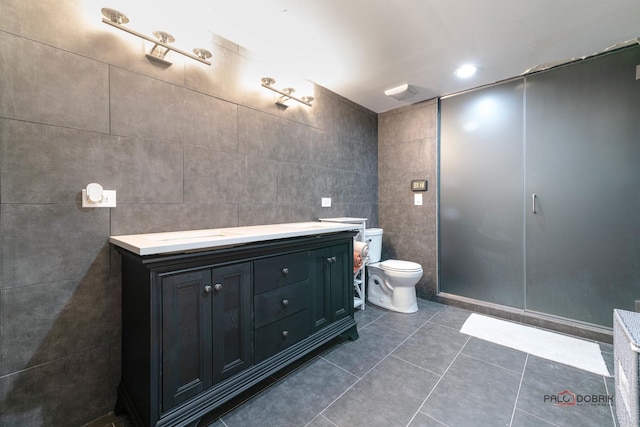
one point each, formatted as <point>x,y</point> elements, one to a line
<point>150,218</point>
<point>408,123</point>
<point>151,109</point>
<point>352,187</point>
<point>64,317</point>
<point>47,85</point>
<point>145,171</point>
<point>332,151</point>
<point>212,176</point>
<point>351,122</point>
<point>46,243</point>
<point>259,214</point>
<point>66,392</point>
<point>47,164</point>
<point>414,155</point>
<point>264,135</point>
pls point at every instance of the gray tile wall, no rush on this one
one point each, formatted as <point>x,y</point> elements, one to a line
<point>186,147</point>
<point>407,149</point>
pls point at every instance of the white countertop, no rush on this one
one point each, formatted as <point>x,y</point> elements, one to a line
<point>193,240</point>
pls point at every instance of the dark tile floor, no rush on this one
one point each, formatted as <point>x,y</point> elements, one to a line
<point>419,370</point>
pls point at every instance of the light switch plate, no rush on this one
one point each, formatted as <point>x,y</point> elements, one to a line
<point>326,202</point>
<point>417,199</point>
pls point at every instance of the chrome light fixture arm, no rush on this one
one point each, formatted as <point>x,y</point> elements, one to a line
<point>117,19</point>
<point>286,93</point>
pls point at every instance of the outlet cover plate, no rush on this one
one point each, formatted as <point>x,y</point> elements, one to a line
<point>108,200</point>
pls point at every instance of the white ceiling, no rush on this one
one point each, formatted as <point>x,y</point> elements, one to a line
<point>359,48</point>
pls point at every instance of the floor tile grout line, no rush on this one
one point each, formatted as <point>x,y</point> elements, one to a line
<point>320,415</point>
<point>374,366</point>
<point>515,404</point>
<point>338,366</point>
<point>493,364</point>
<point>438,382</point>
<point>403,332</point>
<point>417,366</point>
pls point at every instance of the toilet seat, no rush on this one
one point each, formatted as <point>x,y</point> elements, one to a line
<point>400,266</point>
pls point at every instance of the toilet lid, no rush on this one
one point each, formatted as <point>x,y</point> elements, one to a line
<point>397,265</point>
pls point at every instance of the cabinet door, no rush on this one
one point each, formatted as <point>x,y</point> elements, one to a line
<point>231,303</point>
<point>341,281</point>
<point>331,285</point>
<point>185,360</point>
<point>320,301</point>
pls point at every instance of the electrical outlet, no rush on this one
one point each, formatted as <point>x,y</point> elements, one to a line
<point>326,202</point>
<point>108,200</point>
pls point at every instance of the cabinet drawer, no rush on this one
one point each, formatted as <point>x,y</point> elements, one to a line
<point>279,271</point>
<point>279,303</point>
<point>279,335</point>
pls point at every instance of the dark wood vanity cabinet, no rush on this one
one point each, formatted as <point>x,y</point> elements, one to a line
<point>200,328</point>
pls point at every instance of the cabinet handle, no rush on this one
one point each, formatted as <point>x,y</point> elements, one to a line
<point>334,259</point>
<point>533,202</point>
<point>285,334</point>
<point>218,287</point>
<point>285,302</point>
<point>285,271</point>
<point>329,259</point>
<point>208,289</point>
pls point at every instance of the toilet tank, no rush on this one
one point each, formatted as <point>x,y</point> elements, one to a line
<point>374,240</point>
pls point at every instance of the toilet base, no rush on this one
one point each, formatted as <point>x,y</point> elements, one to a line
<point>403,300</point>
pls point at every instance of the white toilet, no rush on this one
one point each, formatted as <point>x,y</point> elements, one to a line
<point>391,283</point>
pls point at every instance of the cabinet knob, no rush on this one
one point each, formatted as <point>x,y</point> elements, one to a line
<point>329,259</point>
<point>285,271</point>
<point>285,302</point>
<point>208,289</point>
<point>218,287</point>
<point>334,259</point>
<point>285,334</point>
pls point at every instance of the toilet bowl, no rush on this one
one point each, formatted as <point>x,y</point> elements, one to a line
<point>391,283</point>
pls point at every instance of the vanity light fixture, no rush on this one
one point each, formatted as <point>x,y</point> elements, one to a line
<point>161,42</point>
<point>286,93</point>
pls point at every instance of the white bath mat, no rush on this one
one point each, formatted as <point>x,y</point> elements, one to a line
<point>570,351</point>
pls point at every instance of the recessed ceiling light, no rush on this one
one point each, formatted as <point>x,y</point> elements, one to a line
<point>466,71</point>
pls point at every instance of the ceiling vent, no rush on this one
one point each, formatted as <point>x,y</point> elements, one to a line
<point>401,92</point>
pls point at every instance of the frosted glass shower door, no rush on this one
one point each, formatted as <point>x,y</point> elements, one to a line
<point>583,165</point>
<point>481,193</point>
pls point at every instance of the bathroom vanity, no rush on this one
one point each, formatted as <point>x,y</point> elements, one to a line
<point>206,314</point>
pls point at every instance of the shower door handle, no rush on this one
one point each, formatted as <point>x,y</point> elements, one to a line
<point>533,202</point>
